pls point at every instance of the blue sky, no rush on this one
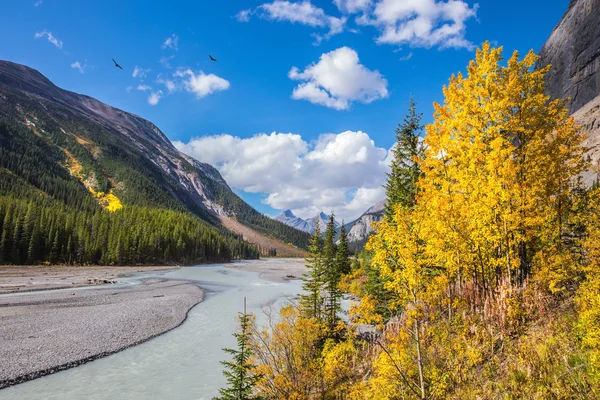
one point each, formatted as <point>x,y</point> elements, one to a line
<point>326,127</point>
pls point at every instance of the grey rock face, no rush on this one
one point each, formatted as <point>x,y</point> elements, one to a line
<point>363,226</point>
<point>573,50</point>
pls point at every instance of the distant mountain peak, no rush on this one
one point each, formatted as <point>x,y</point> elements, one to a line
<point>288,214</point>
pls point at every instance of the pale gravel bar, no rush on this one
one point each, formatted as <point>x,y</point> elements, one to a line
<point>45,332</point>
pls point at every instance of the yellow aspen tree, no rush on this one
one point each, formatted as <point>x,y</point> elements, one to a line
<point>499,172</point>
<point>399,253</point>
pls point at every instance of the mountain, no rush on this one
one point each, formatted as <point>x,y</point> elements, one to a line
<point>84,154</point>
<point>362,227</point>
<point>287,217</point>
<point>306,225</point>
<point>323,220</point>
<point>573,50</point>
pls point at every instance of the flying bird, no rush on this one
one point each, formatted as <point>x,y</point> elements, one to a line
<point>212,58</point>
<point>116,64</point>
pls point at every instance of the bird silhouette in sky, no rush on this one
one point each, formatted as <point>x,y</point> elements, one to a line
<point>212,58</point>
<point>116,64</point>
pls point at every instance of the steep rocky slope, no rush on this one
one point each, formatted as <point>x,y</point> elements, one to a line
<point>111,151</point>
<point>573,50</point>
<point>363,226</point>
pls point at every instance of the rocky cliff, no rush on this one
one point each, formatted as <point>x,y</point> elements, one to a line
<point>573,50</point>
<point>363,226</point>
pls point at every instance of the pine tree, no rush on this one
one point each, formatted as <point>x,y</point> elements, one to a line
<point>341,257</point>
<point>240,375</point>
<point>311,302</point>
<point>331,274</point>
<point>401,186</point>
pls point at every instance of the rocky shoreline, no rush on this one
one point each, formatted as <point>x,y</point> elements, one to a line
<point>45,332</point>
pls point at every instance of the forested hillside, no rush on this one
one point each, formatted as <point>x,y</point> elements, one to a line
<point>47,215</point>
<point>94,159</point>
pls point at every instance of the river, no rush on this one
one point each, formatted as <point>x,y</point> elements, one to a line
<point>181,364</point>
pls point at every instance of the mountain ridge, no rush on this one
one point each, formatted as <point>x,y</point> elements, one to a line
<point>114,152</point>
<point>306,225</point>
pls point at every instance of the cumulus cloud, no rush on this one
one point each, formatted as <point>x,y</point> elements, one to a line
<point>143,88</point>
<point>140,72</point>
<point>200,84</point>
<point>337,80</point>
<point>78,66</point>
<point>50,37</point>
<point>342,172</point>
<point>171,42</point>
<point>38,3</point>
<point>421,23</point>
<point>352,6</point>
<point>300,12</point>
<point>155,97</point>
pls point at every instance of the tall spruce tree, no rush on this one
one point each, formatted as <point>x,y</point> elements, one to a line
<point>331,274</point>
<point>311,302</point>
<point>401,186</point>
<point>341,257</point>
<point>241,379</point>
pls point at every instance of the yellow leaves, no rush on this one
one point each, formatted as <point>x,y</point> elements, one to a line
<point>287,354</point>
<point>75,168</point>
<point>365,312</point>
<point>338,362</point>
<point>107,200</point>
<point>589,321</point>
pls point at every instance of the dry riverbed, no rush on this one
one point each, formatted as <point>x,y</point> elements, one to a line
<point>43,332</point>
<point>40,277</point>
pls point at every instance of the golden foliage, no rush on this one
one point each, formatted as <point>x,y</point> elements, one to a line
<point>107,200</point>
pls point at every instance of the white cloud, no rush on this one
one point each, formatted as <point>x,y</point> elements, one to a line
<point>422,23</point>
<point>171,42</point>
<point>77,65</point>
<point>38,3</point>
<point>200,84</point>
<point>140,72</point>
<point>341,172</point>
<point>128,89</point>
<point>337,80</point>
<point>166,61</point>
<point>300,12</point>
<point>51,38</point>
<point>352,6</point>
<point>406,57</point>
<point>244,15</point>
<point>155,97</point>
<point>143,88</point>
<point>171,87</point>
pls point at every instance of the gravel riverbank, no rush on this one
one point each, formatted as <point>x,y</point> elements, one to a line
<point>48,331</point>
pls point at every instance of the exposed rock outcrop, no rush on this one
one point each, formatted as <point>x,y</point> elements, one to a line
<point>573,50</point>
<point>363,226</point>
